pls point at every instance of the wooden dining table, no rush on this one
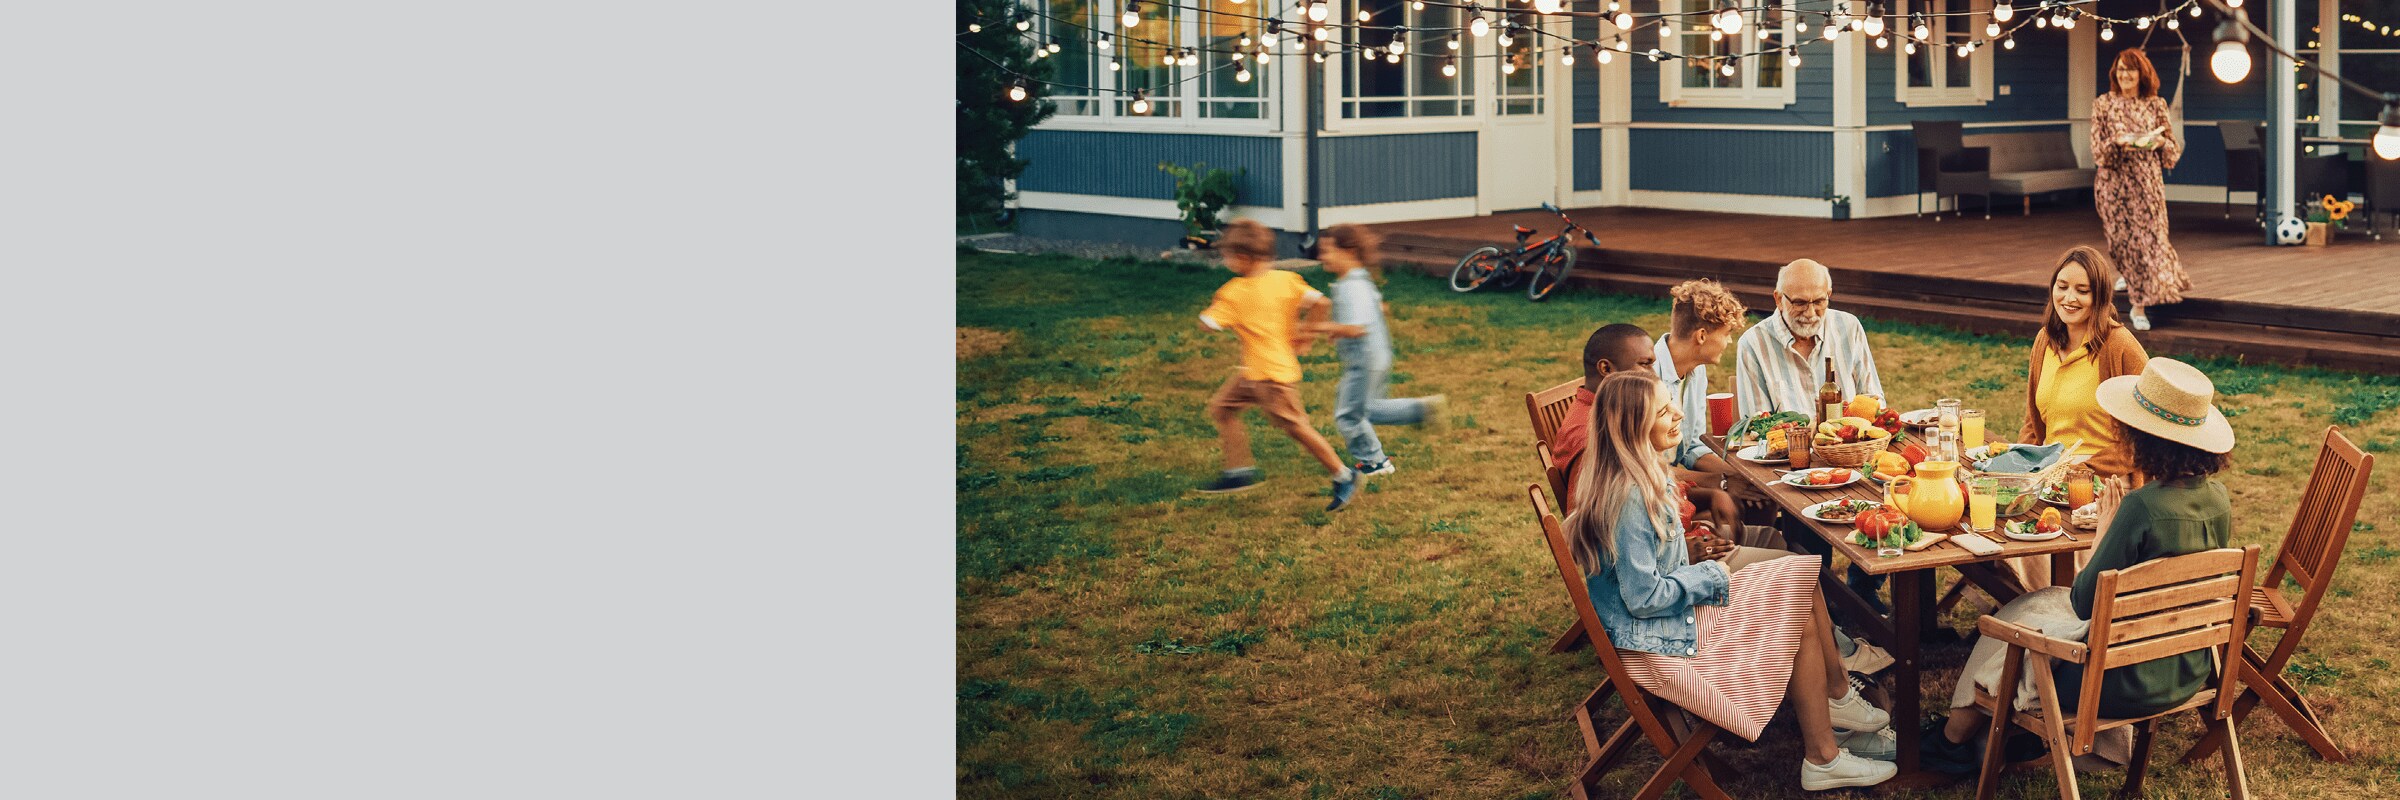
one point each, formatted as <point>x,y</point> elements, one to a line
<point>1903,630</point>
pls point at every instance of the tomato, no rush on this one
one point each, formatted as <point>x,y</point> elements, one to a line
<point>1873,523</point>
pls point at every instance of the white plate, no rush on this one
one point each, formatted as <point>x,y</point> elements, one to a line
<point>1920,418</point>
<point>1802,476</point>
<point>1757,453</point>
<point>1811,512</point>
<point>2010,530</point>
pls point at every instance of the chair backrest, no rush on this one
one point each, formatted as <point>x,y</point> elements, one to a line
<point>2027,151</point>
<point>2318,176</point>
<point>2240,134</point>
<point>2383,185</point>
<point>1552,472</point>
<point>1579,593</point>
<point>1934,139</point>
<point>2321,527</point>
<point>1548,408</point>
<point>2167,607</point>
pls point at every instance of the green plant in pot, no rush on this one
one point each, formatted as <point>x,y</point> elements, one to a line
<point>1202,195</point>
<point>1841,202</point>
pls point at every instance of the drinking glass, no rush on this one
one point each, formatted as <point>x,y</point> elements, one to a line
<point>2079,487</point>
<point>1970,428</point>
<point>1983,495</point>
<point>1945,425</point>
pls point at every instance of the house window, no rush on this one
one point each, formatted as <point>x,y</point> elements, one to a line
<point>2363,48</point>
<point>1698,79</point>
<point>1373,87</point>
<point>1095,51</point>
<point>1521,68</point>
<point>1935,75</point>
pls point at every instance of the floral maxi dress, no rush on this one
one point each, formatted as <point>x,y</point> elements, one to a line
<point>2131,193</point>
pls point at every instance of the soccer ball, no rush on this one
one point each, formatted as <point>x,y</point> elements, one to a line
<point>2290,231</point>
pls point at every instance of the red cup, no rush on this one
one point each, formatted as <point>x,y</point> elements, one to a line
<point>1720,413</point>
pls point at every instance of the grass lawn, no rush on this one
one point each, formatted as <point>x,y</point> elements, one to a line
<point>1119,636</point>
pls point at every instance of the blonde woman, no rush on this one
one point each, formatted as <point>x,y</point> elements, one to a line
<point>1728,646</point>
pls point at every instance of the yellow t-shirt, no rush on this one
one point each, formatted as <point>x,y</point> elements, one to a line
<point>2069,402</point>
<point>1261,309</point>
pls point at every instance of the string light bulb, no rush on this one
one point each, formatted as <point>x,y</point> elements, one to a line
<point>1666,29</point>
<point>1798,26</point>
<point>1965,50</point>
<point>2231,61</point>
<point>2002,12</point>
<point>1546,6</point>
<point>1729,20</point>
<point>2174,24</point>
<point>2195,11</point>
<point>974,27</point>
<point>1875,23</point>
<point>1115,66</point>
<point>1393,58</point>
<point>2387,137</point>
<point>1416,5</point>
<point>1479,26</point>
<point>1793,59</point>
<point>2108,32</point>
<point>1141,102</point>
<point>1833,32</point>
<point>1024,24</point>
<point>1399,43</point>
<point>1363,16</point>
<point>1764,34</point>
<point>1016,92</point>
<point>1132,17</point>
<point>2009,43</point>
<point>1909,47</point>
<point>1505,38</point>
<point>1921,31</point>
<point>1726,70</point>
<point>1241,74</point>
<point>2041,22</point>
<point>1882,43</point>
<point>2233,3</point>
<point>1104,43</point>
<point>1624,20</point>
<point>1508,67</point>
<point>1054,45</point>
<point>2142,24</point>
<point>1320,33</point>
<point>1604,57</point>
<point>1567,56</point>
<point>1450,67</point>
<point>1317,11</point>
<point>1453,41</point>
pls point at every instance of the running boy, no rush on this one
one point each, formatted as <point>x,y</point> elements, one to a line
<point>1353,254</point>
<point>1262,305</point>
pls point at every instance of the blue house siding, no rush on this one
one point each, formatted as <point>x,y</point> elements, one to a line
<point>1588,161</point>
<point>1585,85</point>
<point>2035,74</point>
<point>1812,102</point>
<point>1363,170</point>
<point>1784,163</point>
<point>1124,164</point>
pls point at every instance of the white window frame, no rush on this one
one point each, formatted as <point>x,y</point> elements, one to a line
<point>1979,63</point>
<point>1472,63</point>
<point>1188,96</point>
<point>1672,92</point>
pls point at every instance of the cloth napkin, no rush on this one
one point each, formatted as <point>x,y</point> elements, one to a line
<point>2024,459</point>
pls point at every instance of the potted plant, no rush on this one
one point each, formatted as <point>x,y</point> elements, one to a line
<point>1202,195</point>
<point>1841,202</point>
<point>2330,214</point>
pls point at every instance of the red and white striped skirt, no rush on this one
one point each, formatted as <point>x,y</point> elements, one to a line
<point>1745,650</point>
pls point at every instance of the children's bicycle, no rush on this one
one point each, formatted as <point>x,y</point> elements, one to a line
<point>1541,265</point>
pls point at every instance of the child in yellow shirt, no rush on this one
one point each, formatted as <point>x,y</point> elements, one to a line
<point>1263,305</point>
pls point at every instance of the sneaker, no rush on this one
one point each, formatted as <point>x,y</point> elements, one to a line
<point>1867,659</point>
<point>1854,713</point>
<point>1878,745</point>
<point>1937,753</point>
<point>1386,467</point>
<point>1343,492</point>
<point>1437,412</point>
<point>1845,771</point>
<point>2120,283</point>
<point>2140,322</point>
<point>1233,480</point>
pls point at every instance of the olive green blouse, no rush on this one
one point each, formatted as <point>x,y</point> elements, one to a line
<point>2161,520</point>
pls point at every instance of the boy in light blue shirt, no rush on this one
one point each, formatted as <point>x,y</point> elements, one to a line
<point>1352,253</point>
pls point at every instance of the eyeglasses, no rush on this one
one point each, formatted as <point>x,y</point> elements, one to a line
<point>1820,302</point>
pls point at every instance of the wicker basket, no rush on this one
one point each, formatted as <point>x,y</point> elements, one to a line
<point>1852,456</point>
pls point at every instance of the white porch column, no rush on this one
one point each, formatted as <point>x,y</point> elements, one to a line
<point>1616,111</point>
<point>2083,81</point>
<point>2283,142</point>
<point>2329,40</point>
<point>1850,120</point>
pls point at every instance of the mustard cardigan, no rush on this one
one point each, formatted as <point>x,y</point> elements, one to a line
<point>2120,354</point>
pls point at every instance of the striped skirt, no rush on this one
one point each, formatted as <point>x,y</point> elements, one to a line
<point>1745,650</point>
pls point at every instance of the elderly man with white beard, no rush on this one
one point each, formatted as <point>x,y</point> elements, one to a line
<point>1779,365</point>
<point>1780,362</point>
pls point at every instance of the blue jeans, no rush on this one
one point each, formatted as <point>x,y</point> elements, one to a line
<point>1359,405</point>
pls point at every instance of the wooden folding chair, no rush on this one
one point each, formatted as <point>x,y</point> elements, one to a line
<point>2311,549</point>
<point>2141,613</point>
<point>1548,408</point>
<point>1682,743</point>
<point>1573,637</point>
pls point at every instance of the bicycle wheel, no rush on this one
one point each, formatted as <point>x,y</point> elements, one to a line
<point>1550,273</point>
<point>1476,268</point>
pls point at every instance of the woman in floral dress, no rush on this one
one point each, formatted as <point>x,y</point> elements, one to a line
<point>2132,143</point>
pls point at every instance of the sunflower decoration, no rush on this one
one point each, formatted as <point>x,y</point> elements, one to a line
<point>2335,211</point>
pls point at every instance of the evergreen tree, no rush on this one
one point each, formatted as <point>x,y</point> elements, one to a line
<point>989,123</point>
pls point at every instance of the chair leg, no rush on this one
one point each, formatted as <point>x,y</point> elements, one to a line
<point>2054,730</point>
<point>1569,640</point>
<point>2004,709</point>
<point>1676,764</point>
<point>2140,767</point>
<point>2236,783</point>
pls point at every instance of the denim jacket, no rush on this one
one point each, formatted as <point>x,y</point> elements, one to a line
<point>1650,596</point>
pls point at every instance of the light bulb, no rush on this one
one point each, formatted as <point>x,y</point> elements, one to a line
<point>1242,74</point>
<point>1318,56</point>
<point>2234,3</point>
<point>1921,31</point>
<point>1262,56</point>
<point>1418,5</point>
<point>1054,45</point>
<point>1716,35</point>
<point>1909,47</point>
<point>1132,16</point>
<point>1991,29</point>
<point>1665,29</point>
<point>1546,6</point>
<point>1024,24</point>
<point>1399,45</point>
<point>1393,58</point>
<point>1317,12</point>
<point>2066,21</point>
<point>974,27</point>
<point>1103,42</point>
<point>1800,26</point>
<point>1479,26</point>
<point>1040,53</point>
<point>2041,22</point>
<point>1167,60</point>
<point>1321,33</point>
<point>1508,68</point>
<point>1624,45</point>
<point>2195,11</point>
<point>1612,6</point>
<point>2003,12</point>
<point>2142,24</point>
<point>1654,55</point>
<point>2174,24</point>
<point>1624,20</point>
<point>1604,57</point>
<point>1874,25</point>
<point>1016,92</point>
<point>2231,63</point>
<point>1567,57</point>
<point>1726,70</point>
<point>1506,40</point>
<point>1450,67</point>
<point>2387,142</point>
<point>1763,34</point>
<point>2108,33</point>
<point>1793,60</point>
<point>1832,33</point>
<point>1245,41</point>
<point>1141,105</point>
<point>1113,66</point>
<point>1363,16</point>
<point>2009,43</point>
<point>1882,43</point>
<point>1965,50</point>
<point>1454,42</point>
<point>1729,20</point>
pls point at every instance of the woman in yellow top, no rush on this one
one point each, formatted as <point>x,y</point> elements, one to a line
<point>2080,345</point>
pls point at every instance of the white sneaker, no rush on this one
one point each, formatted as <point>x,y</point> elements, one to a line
<point>2120,283</point>
<point>2140,322</point>
<point>1867,659</point>
<point>1845,771</point>
<point>1854,713</point>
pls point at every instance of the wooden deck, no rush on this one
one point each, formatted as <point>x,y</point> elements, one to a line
<point>2335,307</point>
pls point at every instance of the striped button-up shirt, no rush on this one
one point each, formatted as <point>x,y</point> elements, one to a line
<point>1691,395</point>
<point>1770,375</point>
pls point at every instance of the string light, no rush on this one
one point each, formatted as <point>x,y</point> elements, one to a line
<point>1024,24</point>
<point>1505,38</point>
<point>1363,16</point>
<point>1567,56</point>
<point>1399,43</point>
<point>2195,11</point>
<point>1909,47</point>
<point>1141,102</point>
<point>1546,6</point>
<point>1604,58</point>
<point>1417,5</point>
<point>1241,74</point>
<point>1317,11</point>
<point>2009,43</point>
<point>2002,12</point>
<point>1624,20</point>
<point>2231,61</point>
<point>1508,67</point>
<point>1450,67</point>
<point>2107,32</point>
<point>1666,29</point>
<point>1921,31</point>
<point>2142,24</point>
<point>1453,41</point>
<point>1727,70</point>
<point>1115,66</point>
<point>1799,26</point>
<point>1104,43</point>
<point>2041,22</point>
<point>1793,59</point>
<point>1320,33</point>
<point>1875,22</point>
<point>1054,45</point>
<point>1729,20</point>
<point>1882,43</point>
<point>1479,26</point>
<point>1392,58</point>
<point>2387,137</point>
<point>974,27</point>
<point>1016,91</point>
<point>1132,16</point>
<point>1764,34</point>
<point>1833,32</point>
<point>2174,24</point>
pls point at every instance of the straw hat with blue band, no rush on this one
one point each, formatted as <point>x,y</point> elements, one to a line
<point>2171,400</point>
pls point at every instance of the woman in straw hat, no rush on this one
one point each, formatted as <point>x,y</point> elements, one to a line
<point>2168,417</point>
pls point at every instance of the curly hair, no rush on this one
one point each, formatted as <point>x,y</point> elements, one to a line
<point>1360,241</point>
<point>1701,303</point>
<point>2164,459</point>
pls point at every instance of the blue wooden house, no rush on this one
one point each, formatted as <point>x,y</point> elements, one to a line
<point>1507,120</point>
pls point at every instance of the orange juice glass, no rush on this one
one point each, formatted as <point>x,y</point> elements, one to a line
<point>2079,487</point>
<point>1970,428</point>
<point>1983,496</point>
